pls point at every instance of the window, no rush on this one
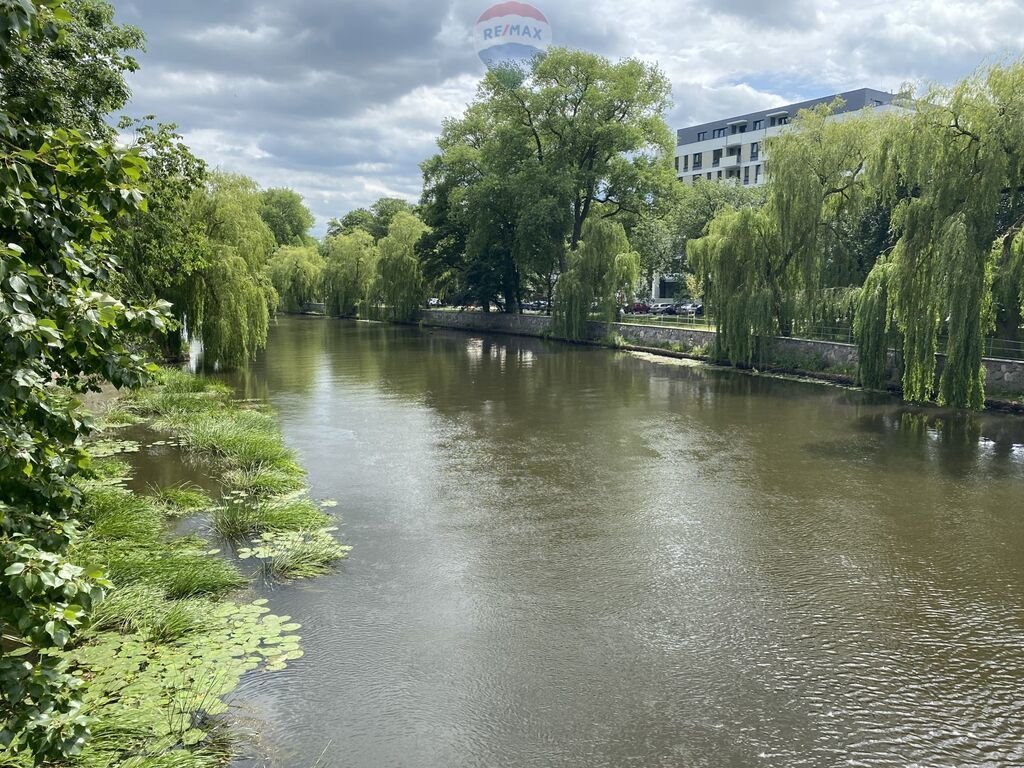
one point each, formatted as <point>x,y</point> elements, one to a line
<point>686,162</point>
<point>698,160</point>
<point>719,174</point>
<point>709,175</point>
<point>757,173</point>
<point>746,175</point>
<point>677,165</point>
<point>716,158</point>
<point>739,128</point>
<point>783,121</point>
<point>758,125</point>
<point>755,150</point>
<point>702,135</point>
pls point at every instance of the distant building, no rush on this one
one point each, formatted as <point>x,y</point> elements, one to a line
<point>733,149</point>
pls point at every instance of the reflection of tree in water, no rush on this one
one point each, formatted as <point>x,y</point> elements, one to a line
<point>957,442</point>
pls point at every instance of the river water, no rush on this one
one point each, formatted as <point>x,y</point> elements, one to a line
<point>569,556</point>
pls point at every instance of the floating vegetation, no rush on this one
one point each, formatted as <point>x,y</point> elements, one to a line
<point>101,449</point>
<point>296,554</point>
<point>182,499</point>
<point>169,641</point>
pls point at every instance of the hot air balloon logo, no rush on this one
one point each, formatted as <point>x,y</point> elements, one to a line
<point>511,34</point>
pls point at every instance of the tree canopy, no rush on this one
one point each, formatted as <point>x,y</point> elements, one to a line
<point>284,211</point>
<point>531,160</point>
<point>61,190</point>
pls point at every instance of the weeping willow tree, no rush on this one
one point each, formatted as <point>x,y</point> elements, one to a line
<point>602,271</point>
<point>350,266</point>
<point>775,270</point>
<point>953,173</point>
<point>398,289</point>
<point>738,263</point>
<point>297,275</point>
<point>230,299</point>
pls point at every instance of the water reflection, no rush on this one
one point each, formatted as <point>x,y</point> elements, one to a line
<point>569,556</point>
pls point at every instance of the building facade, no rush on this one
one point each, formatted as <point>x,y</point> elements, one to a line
<point>733,149</point>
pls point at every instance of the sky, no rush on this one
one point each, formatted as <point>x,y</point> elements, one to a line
<point>341,100</point>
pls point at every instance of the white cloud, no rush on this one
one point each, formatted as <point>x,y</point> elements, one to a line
<point>342,102</point>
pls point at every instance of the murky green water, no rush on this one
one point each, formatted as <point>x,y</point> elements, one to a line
<point>573,557</point>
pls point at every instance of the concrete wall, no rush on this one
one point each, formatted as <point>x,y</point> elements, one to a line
<point>1002,375</point>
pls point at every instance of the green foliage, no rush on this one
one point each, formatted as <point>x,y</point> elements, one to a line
<point>182,499</point>
<point>531,161</point>
<point>602,271</point>
<point>231,298</point>
<point>297,273</point>
<point>953,174</point>
<point>162,249</point>
<point>737,261</point>
<point>351,264</point>
<point>59,327</point>
<point>287,216</point>
<point>375,222</point>
<point>398,289</point>
<point>296,554</point>
<point>74,79</point>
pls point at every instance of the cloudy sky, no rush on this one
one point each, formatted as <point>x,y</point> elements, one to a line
<point>341,99</point>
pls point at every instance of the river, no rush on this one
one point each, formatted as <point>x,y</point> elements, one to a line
<point>570,556</point>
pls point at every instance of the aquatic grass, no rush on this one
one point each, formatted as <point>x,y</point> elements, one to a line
<point>184,573</point>
<point>181,499</point>
<point>298,554</point>
<point>305,555</point>
<point>111,468</point>
<point>118,415</point>
<point>265,479</point>
<point>245,438</point>
<point>242,516</point>
<point>146,609</point>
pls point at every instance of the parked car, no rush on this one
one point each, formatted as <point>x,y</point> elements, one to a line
<point>433,302</point>
<point>693,308</point>
<point>663,308</point>
<point>639,308</point>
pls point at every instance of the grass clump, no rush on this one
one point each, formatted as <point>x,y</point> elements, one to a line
<point>243,516</point>
<point>297,554</point>
<point>182,499</point>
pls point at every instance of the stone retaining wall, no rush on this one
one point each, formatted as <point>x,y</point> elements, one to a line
<point>1002,375</point>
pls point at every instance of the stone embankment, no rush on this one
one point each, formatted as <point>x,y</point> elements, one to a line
<point>826,358</point>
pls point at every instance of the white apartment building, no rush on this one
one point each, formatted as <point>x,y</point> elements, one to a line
<point>733,149</point>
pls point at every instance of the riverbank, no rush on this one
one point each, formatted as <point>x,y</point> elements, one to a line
<point>176,634</point>
<point>831,362</point>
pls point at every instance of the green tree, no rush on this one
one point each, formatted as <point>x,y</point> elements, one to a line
<point>285,212</point>
<point>231,298</point>
<point>595,126</point>
<point>359,219</point>
<point>953,174</point>
<point>384,211</point>
<point>74,79</point>
<point>399,290</point>
<point>602,271</point>
<point>766,269</point>
<point>60,190</point>
<point>297,274</point>
<point>351,265</point>
<point>162,249</point>
<point>535,157</point>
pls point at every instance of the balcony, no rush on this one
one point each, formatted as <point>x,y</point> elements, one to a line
<point>736,139</point>
<point>730,161</point>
